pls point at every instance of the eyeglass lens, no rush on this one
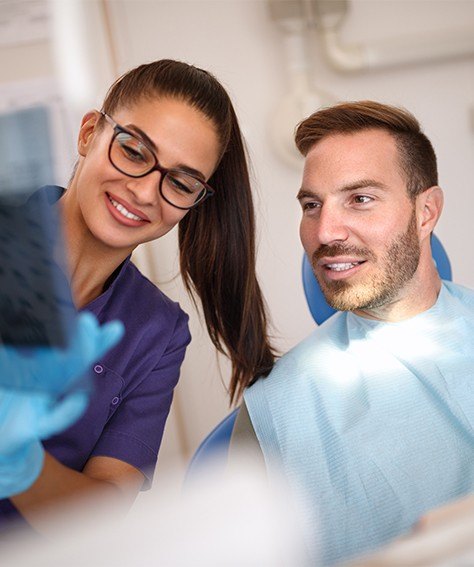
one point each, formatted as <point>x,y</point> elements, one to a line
<point>131,156</point>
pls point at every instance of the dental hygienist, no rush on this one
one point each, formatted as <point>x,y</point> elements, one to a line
<point>164,149</point>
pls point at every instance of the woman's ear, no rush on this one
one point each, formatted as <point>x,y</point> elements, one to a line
<point>86,133</point>
<point>430,205</point>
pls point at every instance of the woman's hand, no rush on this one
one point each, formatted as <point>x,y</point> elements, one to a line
<point>42,392</point>
<point>25,418</point>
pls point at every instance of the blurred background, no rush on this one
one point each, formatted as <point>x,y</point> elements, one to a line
<point>280,61</point>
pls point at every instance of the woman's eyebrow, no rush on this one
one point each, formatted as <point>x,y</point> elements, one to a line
<point>152,145</point>
<point>190,170</point>
<point>143,135</point>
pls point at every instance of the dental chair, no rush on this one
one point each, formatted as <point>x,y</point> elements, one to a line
<point>216,443</point>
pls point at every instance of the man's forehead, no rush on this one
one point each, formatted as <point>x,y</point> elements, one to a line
<point>367,139</point>
<point>367,150</point>
<point>348,158</point>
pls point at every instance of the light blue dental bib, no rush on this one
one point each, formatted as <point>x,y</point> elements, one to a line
<point>372,423</point>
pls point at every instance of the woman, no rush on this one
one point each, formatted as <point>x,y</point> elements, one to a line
<point>165,149</point>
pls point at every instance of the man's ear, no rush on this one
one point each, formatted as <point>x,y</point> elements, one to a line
<point>429,207</point>
<point>86,133</point>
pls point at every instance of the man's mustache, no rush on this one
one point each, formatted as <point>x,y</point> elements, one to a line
<point>330,251</point>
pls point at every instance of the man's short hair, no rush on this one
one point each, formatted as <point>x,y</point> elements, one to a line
<point>417,157</point>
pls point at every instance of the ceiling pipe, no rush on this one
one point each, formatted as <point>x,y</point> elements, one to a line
<point>302,97</point>
<point>327,17</point>
<point>295,18</point>
<point>84,68</point>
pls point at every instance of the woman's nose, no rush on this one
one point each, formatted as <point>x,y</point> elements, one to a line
<point>146,189</point>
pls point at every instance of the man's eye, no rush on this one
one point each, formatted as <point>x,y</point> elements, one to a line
<point>310,205</point>
<point>362,199</point>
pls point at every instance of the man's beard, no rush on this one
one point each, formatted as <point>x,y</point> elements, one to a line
<point>396,267</point>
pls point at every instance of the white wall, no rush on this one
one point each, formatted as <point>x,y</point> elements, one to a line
<point>236,40</point>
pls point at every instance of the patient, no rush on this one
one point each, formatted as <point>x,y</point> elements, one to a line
<point>370,418</point>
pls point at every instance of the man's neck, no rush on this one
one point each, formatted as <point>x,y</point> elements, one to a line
<point>419,295</point>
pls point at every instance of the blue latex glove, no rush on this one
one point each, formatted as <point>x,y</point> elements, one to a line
<point>54,370</point>
<point>43,391</point>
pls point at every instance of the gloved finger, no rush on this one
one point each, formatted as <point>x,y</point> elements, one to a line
<point>50,369</point>
<point>95,340</point>
<point>18,417</point>
<point>15,368</point>
<point>90,341</point>
<point>62,414</point>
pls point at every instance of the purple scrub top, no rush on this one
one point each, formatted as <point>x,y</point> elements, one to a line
<point>133,383</point>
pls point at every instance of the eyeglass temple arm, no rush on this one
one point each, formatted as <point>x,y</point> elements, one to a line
<point>107,117</point>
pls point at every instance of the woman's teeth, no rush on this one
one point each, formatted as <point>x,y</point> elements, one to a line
<point>126,213</point>
<point>341,267</point>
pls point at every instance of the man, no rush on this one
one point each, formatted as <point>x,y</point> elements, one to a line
<point>371,418</point>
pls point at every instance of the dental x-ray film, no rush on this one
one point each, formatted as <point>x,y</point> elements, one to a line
<point>36,306</point>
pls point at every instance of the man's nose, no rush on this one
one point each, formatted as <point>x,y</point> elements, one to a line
<point>332,225</point>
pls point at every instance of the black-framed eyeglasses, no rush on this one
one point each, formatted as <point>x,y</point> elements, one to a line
<point>130,155</point>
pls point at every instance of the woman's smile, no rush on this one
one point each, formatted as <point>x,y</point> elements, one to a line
<point>124,213</point>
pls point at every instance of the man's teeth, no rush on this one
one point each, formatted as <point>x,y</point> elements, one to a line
<point>341,267</point>
<point>123,210</point>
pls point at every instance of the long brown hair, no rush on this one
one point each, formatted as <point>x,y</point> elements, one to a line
<point>217,239</point>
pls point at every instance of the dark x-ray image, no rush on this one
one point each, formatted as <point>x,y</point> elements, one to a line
<point>35,301</point>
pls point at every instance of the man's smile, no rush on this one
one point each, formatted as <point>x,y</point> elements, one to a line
<point>337,268</point>
<point>341,266</point>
